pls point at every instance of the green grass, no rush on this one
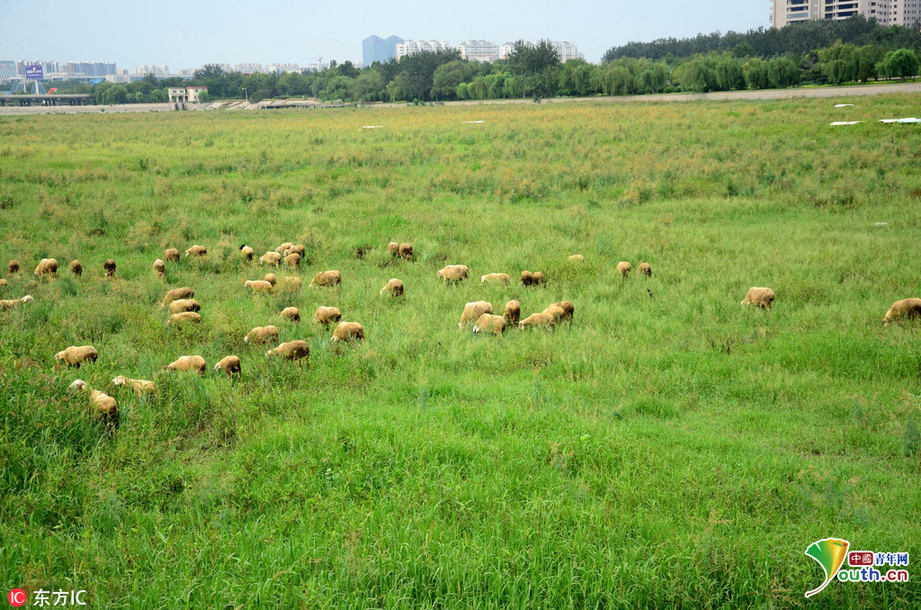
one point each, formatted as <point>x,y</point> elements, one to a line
<point>669,451</point>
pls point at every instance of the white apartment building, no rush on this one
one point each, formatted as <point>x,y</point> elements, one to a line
<point>479,50</point>
<point>886,12</point>
<point>566,50</point>
<point>408,47</point>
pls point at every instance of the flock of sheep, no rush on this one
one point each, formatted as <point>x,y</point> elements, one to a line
<point>184,309</point>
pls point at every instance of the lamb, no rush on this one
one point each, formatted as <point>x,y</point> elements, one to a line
<point>394,249</point>
<point>196,251</point>
<point>406,251</point>
<point>496,277</point>
<point>140,386</point>
<point>171,255</point>
<point>644,269</point>
<point>513,312</point>
<point>105,405</point>
<point>160,267</point>
<point>183,317</point>
<point>76,268</point>
<point>293,260</point>
<point>567,307</point>
<point>292,350</point>
<point>259,286</point>
<point>270,258</point>
<point>327,315</point>
<point>177,293</point>
<point>532,279</point>
<point>909,308</point>
<point>182,305</point>
<point>293,283</point>
<point>394,287</point>
<point>762,297</point>
<point>624,267</point>
<point>109,268</point>
<point>576,258</point>
<point>326,278</point>
<point>346,331</point>
<point>454,273</point>
<point>188,363</point>
<point>261,335</point>
<point>247,252</point>
<point>537,320</point>
<point>283,249</point>
<point>490,324</point>
<point>77,356</point>
<point>11,303</point>
<point>13,267</point>
<point>47,266</point>
<point>230,365</point>
<point>271,278</point>
<point>290,313</point>
<point>474,310</point>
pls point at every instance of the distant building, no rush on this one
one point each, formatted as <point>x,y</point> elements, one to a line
<point>375,48</point>
<point>155,70</point>
<point>8,71</point>
<point>408,47</point>
<point>479,50</point>
<point>566,50</point>
<point>886,12</point>
<point>195,92</point>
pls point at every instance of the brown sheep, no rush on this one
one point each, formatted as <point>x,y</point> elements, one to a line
<point>76,268</point>
<point>11,303</point>
<point>247,252</point>
<point>139,386</point>
<point>259,286</point>
<point>177,293</point>
<point>270,258</point>
<point>537,320</point>
<point>577,258</point>
<point>293,283</point>
<point>261,335</point>
<point>326,278</point>
<point>558,313</point>
<point>327,315</point>
<point>394,249</point>
<point>188,363</point>
<point>3,283</point>
<point>298,249</point>
<point>159,267</point>
<point>230,365</point>
<point>474,310</point>
<point>496,277</point>
<point>489,323</point>
<point>394,287</point>
<point>105,405</point>
<point>271,278</point>
<point>644,269</point>
<point>292,350</point>
<point>406,251</point>
<point>290,313</point>
<point>909,308</point>
<point>13,267</point>
<point>454,273</point>
<point>532,279</point>
<point>109,268</point>
<point>762,297</point>
<point>171,255</point>
<point>293,260</point>
<point>625,268</point>
<point>181,305</point>
<point>77,356</point>
<point>47,266</point>
<point>567,307</point>
<point>183,317</point>
<point>283,249</point>
<point>346,331</point>
<point>513,312</point>
<point>196,251</point>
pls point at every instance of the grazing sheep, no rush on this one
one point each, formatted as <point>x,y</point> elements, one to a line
<point>3,283</point>
<point>290,313</point>
<point>624,267</point>
<point>13,267</point>
<point>394,249</point>
<point>577,258</point>
<point>104,404</point>
<point>230,365</point>
<point>109,268</point>
<point>196,251</point>
<point>76,268</point>
<point>644,269</point>
<point>558,313</point>
<point>77,356</point>
<point>11,303</point>
<point>271,278</point>
<point>171,255</point>
<point>326,278</point>
<point>537,320</point>
<point>291,350</point>
<point>346,331</point>
<point>247,252</point>
<point>160,267</point>
<point>47,266</point>
<point>259,286</point>
<point>454,273</point>
<point>293,260</point>
<point>270,258</point>
<point>298,249</point>
<point>567,307</point>
<point>532,279</point>
<point>327,315</point>
<point>394,287</point>
<point>762,297</point>
<point>261,335</point>
<point>496,277</point>
<point>293,283</point>
<point>513,312</point>
<point>182,305</point>
<point>490,324</point>
<point>188,363</point>
<point>406,251</point>
<point>140,386</point>
<point>909,308</point>
<point>283,249</point>
<point>183,317</point>
<point>177,293</point>
<point>474,310</point>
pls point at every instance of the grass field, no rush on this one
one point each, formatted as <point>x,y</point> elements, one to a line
<point>668,451</point>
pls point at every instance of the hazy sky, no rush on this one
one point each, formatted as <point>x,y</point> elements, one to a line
<point>188,34</point>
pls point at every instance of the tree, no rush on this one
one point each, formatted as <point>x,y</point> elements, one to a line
<point>901,63</point>
<point>839,63</point>
<point>448,76</point>
<point>369,86</point>
<point>537,66</point>
<point>418,71</point>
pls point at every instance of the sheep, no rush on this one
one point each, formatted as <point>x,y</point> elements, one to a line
<point>230,365</point>
<point>171,255</point>
<point>293,260</point>
<point>47,266</point>
<point>454,273</point>
<point>271,278</point>
<point>346,331</point>
<point>537,320</point>
<point>105,405</point>
<point>13,267</point>
<point>11,303</point>
<point>513,312</point>
<point>270,258</point>
<point>394,249</point>
<point>327,315</point>
<point>496,277</point>
<point>3,283</point>
<point>576,258</point>
<point>196,251</point>
<point>394,287</point>
<point>910,308</point>
<point>247,252</point>
<point>109,268</point>
<point>490,324</point>
<point>76,268</point>
<point>291,350</point>
<point>326,278</point>
<point>567,307</point>
<point>293,283</point>
<point>558,313</point>
<point>762,297</point>
<point>474,310</point>
<point>183,317</point>
<point>644,269</point>
<point>259,286</point>
<point>177,293</point>
<point>159,267</point>
<point>624,267</point>
<point>290,313</point>
<point>298,249</point>
<point>283,249</point>
<point>406,251</point>
<point>77,356</point>
<point>532,279</point>
<point>261,335</point>
<point>188,363</point>
<point>140,386</point>
<point>182,305</point>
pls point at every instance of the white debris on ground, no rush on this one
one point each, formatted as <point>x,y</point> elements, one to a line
<point>371,126</point>
<point>882,224</point>
<point>473,122</point>
<point>836,123</point>
<point>844,105</point>
<point>905,120</point>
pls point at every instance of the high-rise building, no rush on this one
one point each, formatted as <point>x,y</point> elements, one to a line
<point>375,48</point>
<point>886,12</point>
<point>408,47</point>
<point>566,50</point>
<point>478,50</point>
<point>8,70</point>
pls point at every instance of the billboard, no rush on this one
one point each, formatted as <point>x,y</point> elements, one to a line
<point>35,72</point>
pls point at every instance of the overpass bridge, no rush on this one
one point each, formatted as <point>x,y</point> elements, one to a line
<point>63,99</point>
